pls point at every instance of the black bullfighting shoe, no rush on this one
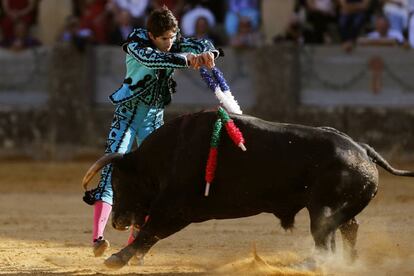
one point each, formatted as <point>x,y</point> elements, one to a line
<point>99,246</point>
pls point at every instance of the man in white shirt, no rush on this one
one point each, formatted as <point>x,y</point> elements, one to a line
<point>411,23</point>
<point>383,35</point>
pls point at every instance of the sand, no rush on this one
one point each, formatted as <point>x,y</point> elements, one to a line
<point>45,229</point>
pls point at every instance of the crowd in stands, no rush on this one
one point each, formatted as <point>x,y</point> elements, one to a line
<point>351,23</point>
<point>16,19</point>
<point>228,22</point>
<point>108,22</point>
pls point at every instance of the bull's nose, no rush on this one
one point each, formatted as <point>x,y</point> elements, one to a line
<point>119,227</point>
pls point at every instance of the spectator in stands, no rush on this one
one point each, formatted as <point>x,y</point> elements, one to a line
<point>73,33</point>
<point>94,17</point>
<point>352,17</point>
<point>299,10</point>
<point>1,16</point>
<point>238,9</point>
<point>321,15</point>
<point>246,36</point>
<point>17,10</point>
<point>411,23</point>
<point>400,15</point>
<point>218,8</point>
<point>383,35</point>
<point>397,12</point>
<point>70,29</point>
<point>188,21</point>
<point>203,30</point>
<point>293,32</point>
<point>21,39</point>
<point>137,8</point>
<point>121,29</point>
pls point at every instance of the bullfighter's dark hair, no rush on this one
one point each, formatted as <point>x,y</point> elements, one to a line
<point>160,21</point>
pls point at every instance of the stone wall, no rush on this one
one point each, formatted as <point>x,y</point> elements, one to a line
<point>386,128</point>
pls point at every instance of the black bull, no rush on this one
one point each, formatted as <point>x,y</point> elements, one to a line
<point>286,168</point>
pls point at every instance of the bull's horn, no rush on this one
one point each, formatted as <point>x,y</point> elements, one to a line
<point>98,165</point>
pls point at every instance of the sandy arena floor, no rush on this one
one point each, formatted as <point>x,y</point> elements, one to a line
<point>45,229</point>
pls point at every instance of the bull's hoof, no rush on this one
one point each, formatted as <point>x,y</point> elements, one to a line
<point>115,262</point>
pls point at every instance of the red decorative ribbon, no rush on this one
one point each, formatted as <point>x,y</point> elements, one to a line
<point>235,134</point>
<point>211,165</point>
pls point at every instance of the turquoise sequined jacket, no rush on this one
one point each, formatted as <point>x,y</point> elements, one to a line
<point>149,71</point>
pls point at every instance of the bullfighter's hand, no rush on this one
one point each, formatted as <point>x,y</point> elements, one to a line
<point>193,61</point>
<point>207,59</point>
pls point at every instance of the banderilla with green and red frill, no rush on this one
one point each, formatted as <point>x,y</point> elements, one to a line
<point>235,135</point>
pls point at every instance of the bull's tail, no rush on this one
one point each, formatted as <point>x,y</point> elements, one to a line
<point>380,161</point>
<point>98,165</point>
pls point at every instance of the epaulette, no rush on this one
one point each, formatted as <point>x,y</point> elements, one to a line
<point>139,36</point>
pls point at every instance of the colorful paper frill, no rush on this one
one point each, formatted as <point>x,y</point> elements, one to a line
<point>232,130</point>
<point>217,83</point>
<point>236,136</point>
<point>208,79</point>
<point>230,101</point>
<point>212,156</point>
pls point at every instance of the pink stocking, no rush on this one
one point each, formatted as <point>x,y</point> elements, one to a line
<point>101,213</point>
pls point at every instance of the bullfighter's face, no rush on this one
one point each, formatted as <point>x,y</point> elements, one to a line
<point>165,41</point>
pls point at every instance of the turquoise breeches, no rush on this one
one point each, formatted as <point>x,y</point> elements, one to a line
<point>133,121</point>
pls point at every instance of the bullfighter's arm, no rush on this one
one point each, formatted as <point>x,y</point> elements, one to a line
<point>202,48</point>
<point>197,46</point>
<point>155,59</point>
